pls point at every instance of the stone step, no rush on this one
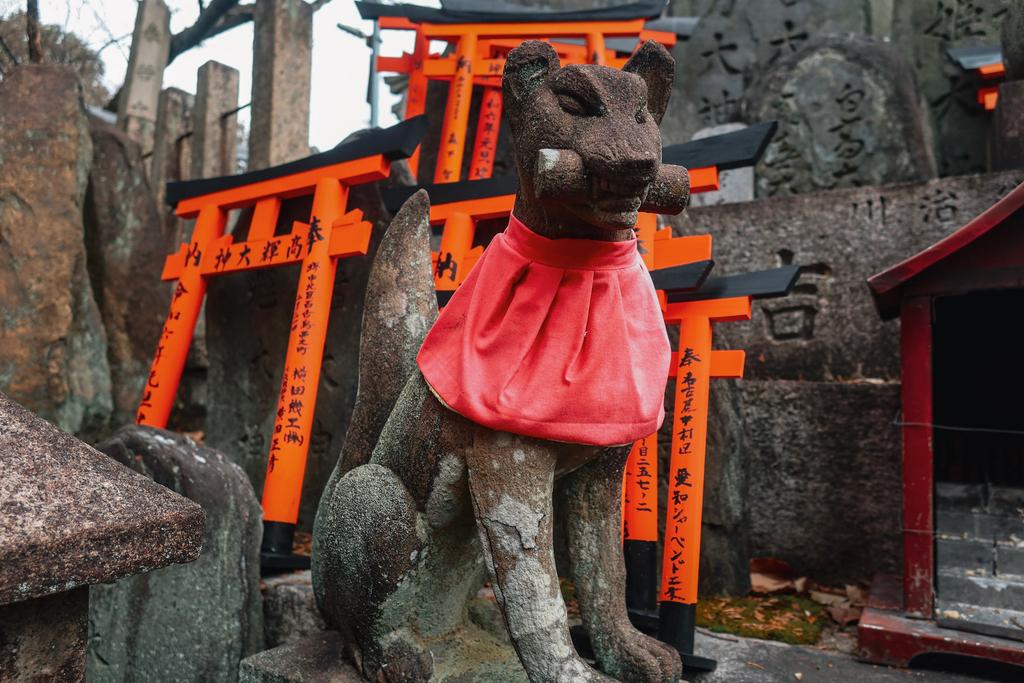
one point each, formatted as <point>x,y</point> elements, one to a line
<point>955,585</point>
<point>1010,559</point>
<point>974,556</point>
<point>978,525</point>
<point>991,621</point>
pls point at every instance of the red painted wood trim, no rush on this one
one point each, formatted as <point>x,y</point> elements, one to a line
<point>884,285</point>
<point>916,355</point>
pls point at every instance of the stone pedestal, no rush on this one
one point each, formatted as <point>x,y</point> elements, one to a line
<point>1007,143</point>
<point>151,42</point>
<point>282,58</point>
<point>314,659</point>
<point>70,517</point>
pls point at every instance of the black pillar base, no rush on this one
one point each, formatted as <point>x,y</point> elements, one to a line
<point>276,550</point>
<point>677,624</point>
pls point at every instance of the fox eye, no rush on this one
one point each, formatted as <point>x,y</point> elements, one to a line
<point>574,105</point>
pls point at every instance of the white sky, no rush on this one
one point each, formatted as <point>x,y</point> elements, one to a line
<point>340,61</point>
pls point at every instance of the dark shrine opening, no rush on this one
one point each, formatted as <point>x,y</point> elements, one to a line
<point>978,362</point>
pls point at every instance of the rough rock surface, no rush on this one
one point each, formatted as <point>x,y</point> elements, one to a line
<point>126,251</point>
<point>70,516</point>
<point>53,349</point>
<point>194,622</point>
<point>849,115</point>
<point>924,31</point>
<point>289,609</point>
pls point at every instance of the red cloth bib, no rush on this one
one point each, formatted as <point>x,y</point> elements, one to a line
<point>557,339</point>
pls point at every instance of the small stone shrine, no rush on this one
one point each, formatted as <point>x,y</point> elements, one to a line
<point>71,517</point>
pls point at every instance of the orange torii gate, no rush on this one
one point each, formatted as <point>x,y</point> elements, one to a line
<point>332,233</point>
<point>481,42</point>
<point>693,365</point>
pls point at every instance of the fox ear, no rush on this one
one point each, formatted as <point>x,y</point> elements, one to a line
<point>653,63</point>
<point>526,68</point>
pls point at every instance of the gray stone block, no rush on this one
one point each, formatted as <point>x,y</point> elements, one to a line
<point>289,609</point>
<point>189,623</point>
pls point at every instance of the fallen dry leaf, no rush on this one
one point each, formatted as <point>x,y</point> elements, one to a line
<point>844,613</point>
<point>823,598</point>
<point>798,676</point>
<point>856,595</point>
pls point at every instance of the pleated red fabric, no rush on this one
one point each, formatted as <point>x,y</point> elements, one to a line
<point>556,339</point>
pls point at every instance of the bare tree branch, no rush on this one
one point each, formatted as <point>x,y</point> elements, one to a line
<point>201,29</point>
<point>35,46</point>
<point>10,55</point>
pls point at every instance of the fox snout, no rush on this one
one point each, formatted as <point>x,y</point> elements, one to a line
<point>564,173</point>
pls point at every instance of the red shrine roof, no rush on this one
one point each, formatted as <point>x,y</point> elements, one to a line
<point>887,285</point>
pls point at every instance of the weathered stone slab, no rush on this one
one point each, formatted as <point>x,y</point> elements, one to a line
<point>736,185</point>
<point>70,516</point>
<point>289,609</point>
<point>734,43</point>
<point>828,329</point>
<point>151,43</point>
<point>924,31</point>
<point>193,622</point>
<point>126,254</point>
<point>849,115</point>
<point>282,62</point>
<point>53,350</point>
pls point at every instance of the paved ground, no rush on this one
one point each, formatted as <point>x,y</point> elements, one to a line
<point>742,660</point>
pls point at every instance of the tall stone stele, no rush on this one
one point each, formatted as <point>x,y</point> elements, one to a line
<point>281,66</point>
<point>849,115</point>
<point>140,95</point>
<point>71,517</point>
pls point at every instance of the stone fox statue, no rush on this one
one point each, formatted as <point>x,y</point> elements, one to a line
<point>549,360</point>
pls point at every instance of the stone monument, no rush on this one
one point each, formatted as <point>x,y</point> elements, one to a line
<point>849,115</point>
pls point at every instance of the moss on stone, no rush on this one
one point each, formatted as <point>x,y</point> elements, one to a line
<point>788,618</point>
